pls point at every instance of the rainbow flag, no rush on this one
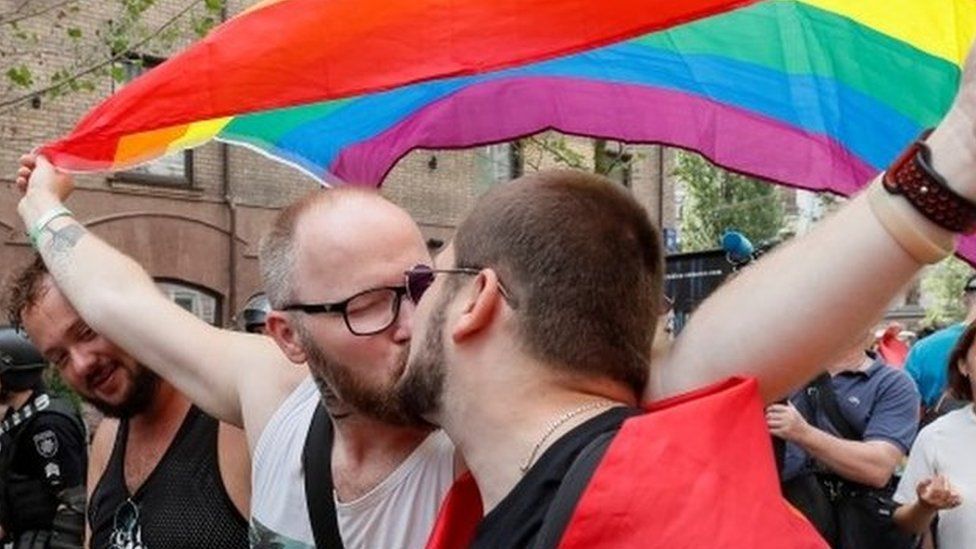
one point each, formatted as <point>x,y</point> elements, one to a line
<point>818,94</point>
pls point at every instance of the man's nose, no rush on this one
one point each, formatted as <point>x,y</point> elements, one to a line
<point>402,328</point>
<point>83,360</point>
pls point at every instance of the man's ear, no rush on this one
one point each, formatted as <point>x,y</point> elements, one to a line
<point>280,328</point>
<point>482,304</point>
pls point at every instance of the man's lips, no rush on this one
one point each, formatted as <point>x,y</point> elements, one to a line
<point>100,377</point>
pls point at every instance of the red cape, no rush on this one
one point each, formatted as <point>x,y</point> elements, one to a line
<point>695,471</point>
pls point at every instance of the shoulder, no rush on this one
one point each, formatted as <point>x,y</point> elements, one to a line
<point>101,449</point>
<point>287,421</point>
<point>105,433</point>
<point>889,378</point>
<point>55,437</point>
<point>940,339</point>
<point>950,423</point>
<point>266,392</point>
<point>58,423</point>
<point>234,462</point>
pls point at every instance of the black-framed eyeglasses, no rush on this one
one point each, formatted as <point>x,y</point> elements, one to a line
<point>367,313</point>
<point>374,310</point>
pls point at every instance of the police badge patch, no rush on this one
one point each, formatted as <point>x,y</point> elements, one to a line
<point>46,443</point>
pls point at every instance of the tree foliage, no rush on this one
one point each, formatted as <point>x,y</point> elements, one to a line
<point>942,287</point>
<point>46,51</point>
<point>604,157</point>
<point>717,200</point>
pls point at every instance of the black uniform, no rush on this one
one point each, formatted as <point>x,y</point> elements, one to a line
<point>43,461</point>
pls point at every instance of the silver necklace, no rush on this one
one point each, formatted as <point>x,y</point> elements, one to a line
<point>559,421</point>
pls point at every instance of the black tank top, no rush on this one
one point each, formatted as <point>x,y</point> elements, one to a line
<point>181,504</point>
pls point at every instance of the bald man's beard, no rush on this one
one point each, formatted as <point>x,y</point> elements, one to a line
<point>343,393</point>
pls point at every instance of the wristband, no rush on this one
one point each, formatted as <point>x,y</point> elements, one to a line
<point>897,217</point>
<point>912,176</point>
<point>45,220</point>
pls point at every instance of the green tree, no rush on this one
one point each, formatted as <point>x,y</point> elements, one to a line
<point>942,286</point>
<point>45,51</point>
<point>717,200</point>
<point>605,157</point>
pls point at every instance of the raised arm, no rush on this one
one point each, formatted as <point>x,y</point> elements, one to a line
<point>782,319</point>
<point>235,377</point>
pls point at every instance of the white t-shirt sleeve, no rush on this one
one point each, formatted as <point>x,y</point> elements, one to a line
<point>921,465</point>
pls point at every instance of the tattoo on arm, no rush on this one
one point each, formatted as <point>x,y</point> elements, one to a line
<point>65,238</point>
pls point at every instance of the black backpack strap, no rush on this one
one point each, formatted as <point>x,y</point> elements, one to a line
<point>317,464</point>
<point>826,400</point>
<point>570,491</point>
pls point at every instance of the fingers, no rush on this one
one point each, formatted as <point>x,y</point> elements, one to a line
<point>27,164</point>
<point>938,493</point>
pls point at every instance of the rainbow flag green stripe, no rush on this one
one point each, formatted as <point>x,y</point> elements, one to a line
<point>797,38</point>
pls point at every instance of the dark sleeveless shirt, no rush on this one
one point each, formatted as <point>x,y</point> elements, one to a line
<point>181,504</point>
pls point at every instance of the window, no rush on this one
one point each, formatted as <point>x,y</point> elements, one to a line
<point>201,303</point>
<point>504,161</point>
<point>171,170</point>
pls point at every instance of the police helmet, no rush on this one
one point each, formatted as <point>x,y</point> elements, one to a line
<point>255,313</point>
<point>21,365</point>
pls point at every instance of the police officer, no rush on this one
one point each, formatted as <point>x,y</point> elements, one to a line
<point>252,318</point>
<point>43,455</point>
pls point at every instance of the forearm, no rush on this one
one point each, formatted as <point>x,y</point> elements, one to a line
<point>862,462</point>
<point>94,277</point>
<point>783,318</point>
<point>119,300</point>
<point>915,517</point>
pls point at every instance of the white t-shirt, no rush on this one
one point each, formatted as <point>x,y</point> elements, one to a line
<point>947,447</point>
<point>397,513</point>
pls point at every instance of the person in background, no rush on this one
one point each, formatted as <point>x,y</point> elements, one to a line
<point>927,359</point>
<point>847,432</point>
<point>43,455</point>
<point>940,477</point>
<point>163,474</point>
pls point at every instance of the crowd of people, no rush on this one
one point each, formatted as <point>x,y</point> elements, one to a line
<point>502,394</point>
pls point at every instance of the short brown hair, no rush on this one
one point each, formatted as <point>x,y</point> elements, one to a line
<point>958,383</point>
<point>583,263</point>
<point>23,289</point>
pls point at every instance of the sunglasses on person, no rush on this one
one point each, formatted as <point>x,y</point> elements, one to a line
<point>126,532</point>
<point>374,310</point>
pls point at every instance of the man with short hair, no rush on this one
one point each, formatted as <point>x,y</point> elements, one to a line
<point>532,341</point>
<point>847,433</point>
<point>927,359</point>
<point>162,473</point>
